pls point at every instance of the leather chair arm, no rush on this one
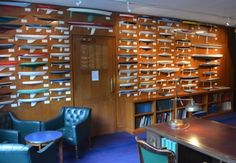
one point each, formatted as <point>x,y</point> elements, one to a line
<point>9,136</point>
<point>79,131</point>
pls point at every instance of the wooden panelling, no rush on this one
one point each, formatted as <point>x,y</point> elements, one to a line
<point>31,15</point>
<point>95,52</point>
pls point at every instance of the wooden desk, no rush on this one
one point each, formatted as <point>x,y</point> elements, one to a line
<point>211,138</point>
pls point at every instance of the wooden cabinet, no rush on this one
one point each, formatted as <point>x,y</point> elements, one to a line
<point>141,112</point>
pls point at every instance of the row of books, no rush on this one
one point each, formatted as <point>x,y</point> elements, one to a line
<point>226,106</point>
<point>169,144</point>
<point>182,114</point>
<point>164,104</point>
<point>143,121</point>
<point>143,107</point>
<point>213,97</point>
<point>213,108</point>
<point>146,107</point>
<point>227,97</point>
<point>164,117</point>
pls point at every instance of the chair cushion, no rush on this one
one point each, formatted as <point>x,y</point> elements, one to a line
<point>149,156</point>
<point>74,116</point>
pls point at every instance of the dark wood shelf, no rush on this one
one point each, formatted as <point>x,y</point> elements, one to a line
<point>164,111</point>
<point>155,113</point>
<point>143,114</point>
<point>213,102</point>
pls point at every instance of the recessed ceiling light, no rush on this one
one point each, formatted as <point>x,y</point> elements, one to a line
<point>228,21</point>
<point>78,3</point>
<point>128,6</point>
<point>127,2</point>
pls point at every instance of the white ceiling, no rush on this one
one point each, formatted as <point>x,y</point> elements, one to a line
<point>211,11</point>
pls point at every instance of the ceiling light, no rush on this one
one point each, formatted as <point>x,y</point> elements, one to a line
<point>127,2</point>
<point>78,3</point>
<point>228,21</point>
<point>128,6</point>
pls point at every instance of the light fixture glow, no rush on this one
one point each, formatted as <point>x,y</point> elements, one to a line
<point>78,3</point>
<point>194,141</point>
<point>192,107</point>
<point>228,21</point>
<point>128,6</point>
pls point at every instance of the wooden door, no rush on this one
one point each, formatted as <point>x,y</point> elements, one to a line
<point>95,55</point>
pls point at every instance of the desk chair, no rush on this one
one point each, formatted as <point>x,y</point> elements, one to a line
<point>150,154</point>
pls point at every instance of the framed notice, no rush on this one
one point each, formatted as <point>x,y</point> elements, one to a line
<point>95,75</point>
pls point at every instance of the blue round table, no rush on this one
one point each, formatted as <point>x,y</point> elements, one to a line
<point>42,138</point>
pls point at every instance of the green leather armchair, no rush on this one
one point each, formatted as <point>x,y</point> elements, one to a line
<point>12,153</point>
<point>148,153</point>
<point>74,123</point>
<point>14,130</point>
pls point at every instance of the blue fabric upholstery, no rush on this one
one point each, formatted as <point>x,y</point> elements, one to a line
<point>14,130</point>
<point>73,122</point>
<point>13,153</point>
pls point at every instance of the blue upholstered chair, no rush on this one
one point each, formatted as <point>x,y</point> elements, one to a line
<point>13,153</point>
<point>150,154</point>
<point>14,130</point>
<point>74,123</point>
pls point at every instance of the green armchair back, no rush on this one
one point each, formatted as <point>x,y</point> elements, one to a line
<point>14,130</point>
<point>74,123</point>
<point>12,153</point>
<point>149,154</point>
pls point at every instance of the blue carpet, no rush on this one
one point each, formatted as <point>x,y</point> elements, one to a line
<point>229,119</point>
<point>121,147</point>
<point>111,148</point>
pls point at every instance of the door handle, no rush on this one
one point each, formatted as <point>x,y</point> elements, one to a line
<point>112,85</point>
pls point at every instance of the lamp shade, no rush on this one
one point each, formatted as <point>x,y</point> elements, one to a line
<point>192,106</point>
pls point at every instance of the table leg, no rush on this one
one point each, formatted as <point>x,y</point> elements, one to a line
<point>61,151</point>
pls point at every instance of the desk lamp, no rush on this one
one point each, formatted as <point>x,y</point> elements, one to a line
<point>191,107</point>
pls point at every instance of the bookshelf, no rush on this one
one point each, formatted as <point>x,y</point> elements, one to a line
<point>141,112</point>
